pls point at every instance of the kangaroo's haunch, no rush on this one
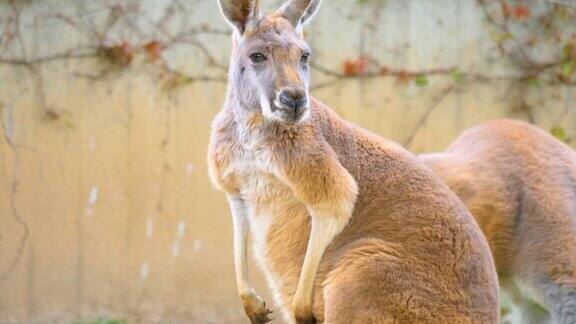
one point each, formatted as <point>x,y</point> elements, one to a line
<point>520,184</point>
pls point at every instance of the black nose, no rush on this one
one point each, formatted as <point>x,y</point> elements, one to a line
<point>293,98</point>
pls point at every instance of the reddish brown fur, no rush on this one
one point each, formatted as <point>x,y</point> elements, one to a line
<point>401,246</point>
<point>411,251</point>
<point>520,184</point>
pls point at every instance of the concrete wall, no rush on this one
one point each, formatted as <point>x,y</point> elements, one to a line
<point>106,209</point>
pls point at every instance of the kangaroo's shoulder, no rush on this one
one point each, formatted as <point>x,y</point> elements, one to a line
<point>223,134</point>
<point>506,131</point>
<point>507,138</point>
<point>223,149</point>
<point>343,134</point>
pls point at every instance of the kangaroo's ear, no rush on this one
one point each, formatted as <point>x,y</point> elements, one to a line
<point>299,12</point>
<point>241,14</point>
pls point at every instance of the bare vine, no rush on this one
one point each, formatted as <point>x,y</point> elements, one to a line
<point>121,34</point>
<point>14,183</point>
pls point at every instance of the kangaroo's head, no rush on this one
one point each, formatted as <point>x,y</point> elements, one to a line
<point>269,66</point>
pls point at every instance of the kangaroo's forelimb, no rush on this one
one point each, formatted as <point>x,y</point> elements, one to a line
<point>254,306</point>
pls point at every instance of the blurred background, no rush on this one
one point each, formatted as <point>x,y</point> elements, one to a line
<point>107,214</point>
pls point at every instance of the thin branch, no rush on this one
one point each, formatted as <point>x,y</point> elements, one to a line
<point>80,53</point>
<point>424,118</point>
<point>7,134</point>
<point>568,4</point>
<point>383,73</point>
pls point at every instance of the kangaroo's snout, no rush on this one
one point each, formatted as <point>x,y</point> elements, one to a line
<point>294,103</point>
<point>293,98</point>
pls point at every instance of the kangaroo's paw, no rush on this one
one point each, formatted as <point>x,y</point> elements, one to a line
<point>304,315</point>
<point>256,309</point>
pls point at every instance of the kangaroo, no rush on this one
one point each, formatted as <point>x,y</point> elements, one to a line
<point>346,226</point>
<point>520,185</point>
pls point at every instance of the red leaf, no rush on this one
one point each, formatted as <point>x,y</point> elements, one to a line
<point>384,70</point>
<point>349,67</point>
<point>354,67</point>
<point>403,78</point>
<point>506,10</point>
<point>521,11</point>
<point>121,53</point>
<point>153,50</point>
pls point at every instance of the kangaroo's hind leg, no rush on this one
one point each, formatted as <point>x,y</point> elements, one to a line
<point>547,261</point>
<point>379,282</point>
<point>562,300</point>
<point>359,289</point>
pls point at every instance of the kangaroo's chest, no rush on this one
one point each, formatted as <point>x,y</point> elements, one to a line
<point>258,176</point>
<point>267,196</point>
<point>279,222</point>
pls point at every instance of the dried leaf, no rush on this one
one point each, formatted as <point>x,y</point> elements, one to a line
<point>521,11</point>
<point>421,80</point>
<point>403,78</point>
<point>506,9</point>
<point>349,68</point>
<point>559,133</point>
<point>533,81</point>
<point>457,77</point>
<point>501,37</point>
<point>153,50</point>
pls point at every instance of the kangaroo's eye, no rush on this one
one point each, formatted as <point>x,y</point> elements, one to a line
<point>305,57</point>
<point>257,57</point>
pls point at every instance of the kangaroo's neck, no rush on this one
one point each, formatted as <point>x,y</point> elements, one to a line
<point>254,128</point>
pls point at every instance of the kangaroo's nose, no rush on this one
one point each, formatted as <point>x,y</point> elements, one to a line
<point>293,98</point>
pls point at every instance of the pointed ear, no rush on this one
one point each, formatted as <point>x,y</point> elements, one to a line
<point>241,14</point>
<point>299,12</point>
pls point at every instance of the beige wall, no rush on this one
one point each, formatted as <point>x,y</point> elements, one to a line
<point>107,211</point>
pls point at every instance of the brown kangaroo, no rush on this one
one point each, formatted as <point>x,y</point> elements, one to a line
<point>520,184</point>
<point>347,227</point>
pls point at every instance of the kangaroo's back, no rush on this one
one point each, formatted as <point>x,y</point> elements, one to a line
<point>520,184</point>
<point>406,221</point>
